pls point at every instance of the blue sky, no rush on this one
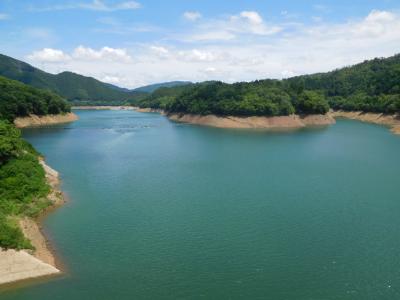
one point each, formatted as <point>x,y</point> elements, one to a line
<point>132,43</point>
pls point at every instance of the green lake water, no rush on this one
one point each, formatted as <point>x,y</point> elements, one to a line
<point>159,210</point>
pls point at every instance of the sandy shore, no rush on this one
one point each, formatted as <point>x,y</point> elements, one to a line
<point>104,107</point>
<point>279,122</point>
<point>392,121</point>
<point>33,120</point>
<point>22,265</point>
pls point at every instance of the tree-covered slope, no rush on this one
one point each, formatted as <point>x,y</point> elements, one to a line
<point>372,86</point>
<point>74,87</point>
<point>18,99</point>
<point>153,87</point>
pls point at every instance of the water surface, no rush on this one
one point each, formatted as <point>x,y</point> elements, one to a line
<point>160,210</point>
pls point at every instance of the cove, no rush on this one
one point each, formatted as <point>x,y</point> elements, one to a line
<point>160,210</point>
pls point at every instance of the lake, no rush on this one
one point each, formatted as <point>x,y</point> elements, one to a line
<point>160,210</point>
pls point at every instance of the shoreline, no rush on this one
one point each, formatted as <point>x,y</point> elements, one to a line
<point>24,265</point>
<point>37,121</point>
<point>269,123</point>
<point>251,122</point>
<point>103,107</point>
<point>281,122</point>
<point>391,121</point>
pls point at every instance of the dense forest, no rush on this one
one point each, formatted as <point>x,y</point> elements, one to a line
<point>18,99</point>
<point>372,86</point>
<point>23,187</point>
<point>78,89</point>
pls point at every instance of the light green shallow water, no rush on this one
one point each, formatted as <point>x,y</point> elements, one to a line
<point>160,210</point>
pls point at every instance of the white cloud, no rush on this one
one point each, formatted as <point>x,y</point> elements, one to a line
<point>96,5</point>
<point>210,36</point>
<point>49,55</point>
<point>252,22</point>
<point>4,17</point>
<point>252,16</point>
<point>160,51</point>
<point>196,55</point>
<point>111,79</point>
<point>101,6</point>
<point>192,15</point>
<point>231,52</point>
<point>233,27</point>
<point>104,54</point>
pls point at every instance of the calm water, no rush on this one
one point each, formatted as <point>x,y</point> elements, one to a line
<point>159,210</point>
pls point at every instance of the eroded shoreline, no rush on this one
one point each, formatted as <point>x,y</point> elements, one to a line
<point>37,121</point>
<point>281,122</point>
<point>253,122</point>
<point>392,121</point>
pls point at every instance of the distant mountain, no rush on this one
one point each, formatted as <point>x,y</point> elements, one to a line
<point>76,88</point>
<point>151,88</point>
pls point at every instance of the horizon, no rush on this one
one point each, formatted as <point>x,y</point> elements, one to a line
<point>195,82</point>
<point>131,44</point>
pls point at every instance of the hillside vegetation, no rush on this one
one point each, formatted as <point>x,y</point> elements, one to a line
<point>372,86</point>
<point>23,186</point>
<point>17,99</point>
<point>78,89</point>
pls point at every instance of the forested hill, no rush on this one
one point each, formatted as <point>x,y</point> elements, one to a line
<point>76,88</point>
<point>18,99</point>
<point>153,87</point>
<point>369,86</point>
<point>372,86</point>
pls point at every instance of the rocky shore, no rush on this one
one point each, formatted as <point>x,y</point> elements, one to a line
<point>34,120</point>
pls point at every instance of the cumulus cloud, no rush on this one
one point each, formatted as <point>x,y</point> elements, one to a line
<point>196,55</point>
<point>160,51</point>
<point>49,55</point>
<point>192,15</point>
<point>105,54</point>
<point>298,49</point>
<point>252,22</point>
<point>233,27</point>
<point>96,5</point>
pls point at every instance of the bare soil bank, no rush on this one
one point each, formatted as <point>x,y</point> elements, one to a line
<point>282,122</point>
<point>392,121</point>
<point>279,122</point>
<point>150,110</point>
<point>34,120</point>
<point>103,107</point>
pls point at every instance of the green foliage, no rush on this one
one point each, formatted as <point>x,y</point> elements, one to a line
<point>310,102</point>
<point>23,186</point>
<point>372,86</point>
<point>10,142</point>
<point>17,99</point>
<point>11,236</point>
<point>153,87</point>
